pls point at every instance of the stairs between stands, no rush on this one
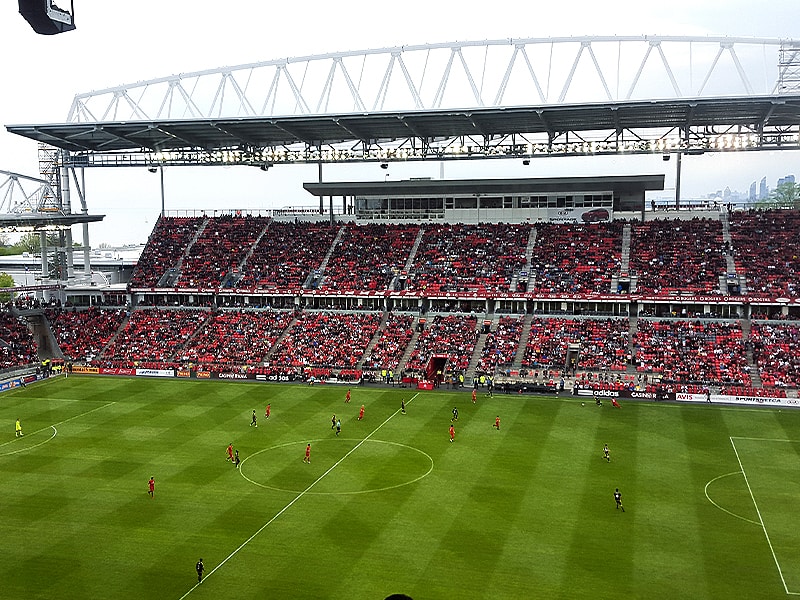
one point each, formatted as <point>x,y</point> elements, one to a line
<point>411,256</point>
<point>478,351</point>
<point>373,341</point>
<point>755,377</point>
<point>412,343</point>
<point>528,256</point>
<point>633,321</point>
<point>173,274</point>
<point>523,342</point>
<point>317,276</point>
<point>176,355</point>
<point>279,342</point>
<point>232,278</point>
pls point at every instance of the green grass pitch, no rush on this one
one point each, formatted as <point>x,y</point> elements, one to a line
<point>390,505</point>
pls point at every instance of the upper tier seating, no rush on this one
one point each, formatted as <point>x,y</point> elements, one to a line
<point>767,249</point>
<point>286,255</point>
<point>672,255</point>
<point>457,257</point>
<point>164,248</point>
<point>368,257</point>
<point>221,247</point>
<point>576,258</point>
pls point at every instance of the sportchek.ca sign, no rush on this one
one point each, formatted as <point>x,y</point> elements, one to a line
<point>724,399</point>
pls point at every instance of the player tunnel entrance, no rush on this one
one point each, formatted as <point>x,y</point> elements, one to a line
<point>435,369</point>
<point>573,356</point>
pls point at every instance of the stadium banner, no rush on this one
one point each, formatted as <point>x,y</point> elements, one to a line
<point>83,369</point>
<point>203,375</point>
<point>277,377</point>
<point>183,373</point>
<point>16,382</point>
<point>735,399</point>
<point>579,215</point>
<point>116,371</point>
<point>155,372</point>
<point>627,394</point>
<point>233,376</point>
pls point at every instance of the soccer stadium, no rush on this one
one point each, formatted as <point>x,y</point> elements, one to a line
<point>418,377</point>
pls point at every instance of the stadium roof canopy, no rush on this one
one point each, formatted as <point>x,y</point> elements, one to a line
<point>211,134</point>
<point>482,99</point>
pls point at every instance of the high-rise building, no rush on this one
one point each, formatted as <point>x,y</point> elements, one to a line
<point>763,190</point>
<point>752,195</point>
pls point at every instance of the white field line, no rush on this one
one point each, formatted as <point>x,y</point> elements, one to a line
<point>295,499</point>
<point>761,519</point>
<point>53,426</point>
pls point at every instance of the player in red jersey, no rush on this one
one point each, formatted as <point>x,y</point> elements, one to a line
<point>307,457</point>
<point>361,413</point>
<point>497,423</point>
<point>267,411</point>
<point>230,452</point>
<point>452,433</point>
<point>474,395</point>
<point>614,403</point>
<point>151,487</point>
<point>347,397</point>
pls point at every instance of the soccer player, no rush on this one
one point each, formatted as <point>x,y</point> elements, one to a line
<point>618,499</point>
<point>452,433</point>
<point>333,422</point>
<point>614,403</point>
<point>199,567</point>
<point>151,487</point>
<point>606,454</point>
<point>403,406</point>
<point>307,457</point>
<point>17,429</point>
<point>267,411</point>
<point>338,427</point>
<point>455,414</point>
<point>236,460</point>
<point>497,423</point>
<point>230,452</point>
<point>361,413</point>
<point>347,397</point>
<point>474,395</point>
<point>254,422</point>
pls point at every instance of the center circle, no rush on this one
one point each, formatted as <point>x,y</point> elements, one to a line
<point>371,466</point>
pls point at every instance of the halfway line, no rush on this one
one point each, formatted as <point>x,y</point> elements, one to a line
<point>300,495</point>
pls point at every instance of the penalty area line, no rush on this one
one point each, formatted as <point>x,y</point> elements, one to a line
<point>295,499</point>
<point>53,426</point>
<point>761,520</point>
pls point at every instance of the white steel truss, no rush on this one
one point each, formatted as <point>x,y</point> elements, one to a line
<point>22,194</point>
<point>485,74</point>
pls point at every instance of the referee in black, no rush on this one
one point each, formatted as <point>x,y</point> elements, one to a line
<point>199,567</point>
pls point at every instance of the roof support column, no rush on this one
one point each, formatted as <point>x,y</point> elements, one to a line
<point>678,181</point>
<point>66,208</point>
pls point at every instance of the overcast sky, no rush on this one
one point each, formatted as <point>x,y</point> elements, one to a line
<point>122,42</point>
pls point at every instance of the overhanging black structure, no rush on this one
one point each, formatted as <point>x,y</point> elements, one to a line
<point>687,125</point>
